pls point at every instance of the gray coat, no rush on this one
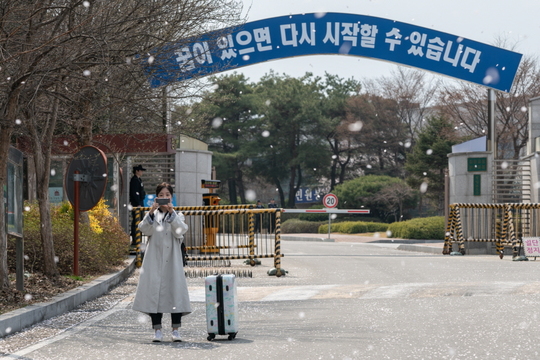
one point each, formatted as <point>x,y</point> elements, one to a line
<point>162,284</point>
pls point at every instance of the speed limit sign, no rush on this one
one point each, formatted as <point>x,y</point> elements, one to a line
<point>330,200</point>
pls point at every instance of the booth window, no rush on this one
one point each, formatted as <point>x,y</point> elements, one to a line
<point>477,164</point>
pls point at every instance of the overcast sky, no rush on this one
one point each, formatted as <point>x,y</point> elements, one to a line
<point>517,21</point>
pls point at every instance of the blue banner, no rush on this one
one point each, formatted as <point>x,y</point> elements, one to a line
<point>306,195</point>
<point>334,34</point>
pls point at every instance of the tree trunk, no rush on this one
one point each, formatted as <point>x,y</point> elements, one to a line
<point>333,173</point>
<point>42,165</point>
<point>42,144</point>
<point>292,184</point>
<point>280,192</point>
<point>241,188</point>
<point>232,191</point>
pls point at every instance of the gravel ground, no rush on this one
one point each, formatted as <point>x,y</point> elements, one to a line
<point>56,325</point>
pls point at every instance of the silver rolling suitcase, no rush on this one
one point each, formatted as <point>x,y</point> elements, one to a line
<point>221,306</point>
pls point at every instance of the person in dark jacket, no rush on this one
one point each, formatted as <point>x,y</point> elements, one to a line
<point>272,205</point>
<point>136,196</point>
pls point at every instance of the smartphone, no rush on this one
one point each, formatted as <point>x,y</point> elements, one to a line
<point>162,201</point>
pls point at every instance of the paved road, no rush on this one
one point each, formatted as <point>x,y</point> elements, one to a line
<point>340,300</point>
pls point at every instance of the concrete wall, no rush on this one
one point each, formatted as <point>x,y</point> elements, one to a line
<point>533,147</point>
<point>193,164</point>
<point>462,190</point>
<point>462,180</point>
<point>534,125</point>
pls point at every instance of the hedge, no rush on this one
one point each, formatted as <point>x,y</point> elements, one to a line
<point>296,226</point>
<point>430,228</point>
<point>354,227</point>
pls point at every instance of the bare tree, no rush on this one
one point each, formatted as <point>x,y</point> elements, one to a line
<point>71,67</point>
<point>394,197</point>
<point>413,92</point>
<point>466,105</point>
<point>381,136</point>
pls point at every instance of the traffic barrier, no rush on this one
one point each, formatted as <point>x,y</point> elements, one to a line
<point>225,232</point>
<point>503,224</point>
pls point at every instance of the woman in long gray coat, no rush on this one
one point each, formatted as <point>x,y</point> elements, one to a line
<point>162,284</point>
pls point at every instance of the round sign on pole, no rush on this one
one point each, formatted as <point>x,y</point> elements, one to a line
<point>90,163</point>
<point>330,200</point>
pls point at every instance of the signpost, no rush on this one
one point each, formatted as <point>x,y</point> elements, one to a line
<point>86,176</point>
<point>330,201</point>
<point>531,245</point>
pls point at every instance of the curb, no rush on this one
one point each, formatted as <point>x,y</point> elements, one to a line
<point>301,238</point>
<point>420,248</point>
<point>401,243</point>
<point>19,319</point>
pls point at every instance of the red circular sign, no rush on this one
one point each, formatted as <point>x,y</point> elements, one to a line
<point>330,200</point>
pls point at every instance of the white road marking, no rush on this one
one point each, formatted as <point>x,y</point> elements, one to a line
<point>374,291</point>
<point>297,293</point>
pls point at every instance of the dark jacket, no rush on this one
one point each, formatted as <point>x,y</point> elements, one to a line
<point>136,191</point>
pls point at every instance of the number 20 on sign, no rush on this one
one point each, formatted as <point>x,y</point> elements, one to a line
<point>330,201</point>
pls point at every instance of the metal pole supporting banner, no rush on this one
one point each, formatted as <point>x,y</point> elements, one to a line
<point>492,136</point>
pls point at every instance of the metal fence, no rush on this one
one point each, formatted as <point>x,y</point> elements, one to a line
<point>227,233</point>
<point>504,224</point>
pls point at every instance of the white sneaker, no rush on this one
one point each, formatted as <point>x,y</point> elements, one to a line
<point>158,336</point>
<point>176,336</point>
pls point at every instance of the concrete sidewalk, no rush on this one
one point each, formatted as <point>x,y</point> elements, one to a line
<point>17,320</point>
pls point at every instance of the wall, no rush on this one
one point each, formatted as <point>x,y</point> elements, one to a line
<point>193,164</point>
<point>462,180</point>
<point>533,149</point>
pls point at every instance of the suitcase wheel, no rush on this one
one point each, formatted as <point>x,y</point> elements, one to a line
<point>211,337</point>
<point>232,336</point>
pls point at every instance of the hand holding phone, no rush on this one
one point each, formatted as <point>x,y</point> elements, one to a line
<point>162,201</point>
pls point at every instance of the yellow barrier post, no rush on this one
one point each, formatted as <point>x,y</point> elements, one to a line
<point>251,234</point>
<point>277,259</point>
<point>499,246</point>
<point>459,231</point>
<point>506,223</point>
<point>513,239</point>
<point>447,248</point>
<point>138,238</point>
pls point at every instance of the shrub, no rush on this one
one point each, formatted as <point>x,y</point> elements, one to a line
<point>354,227</point>
<point>103,244</point>
<point>430,228</point>
<point>295,226</point>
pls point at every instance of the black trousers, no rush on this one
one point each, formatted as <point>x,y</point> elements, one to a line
<point>176,320</point>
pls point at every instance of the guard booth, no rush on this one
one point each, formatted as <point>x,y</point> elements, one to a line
<point>211,221</point>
